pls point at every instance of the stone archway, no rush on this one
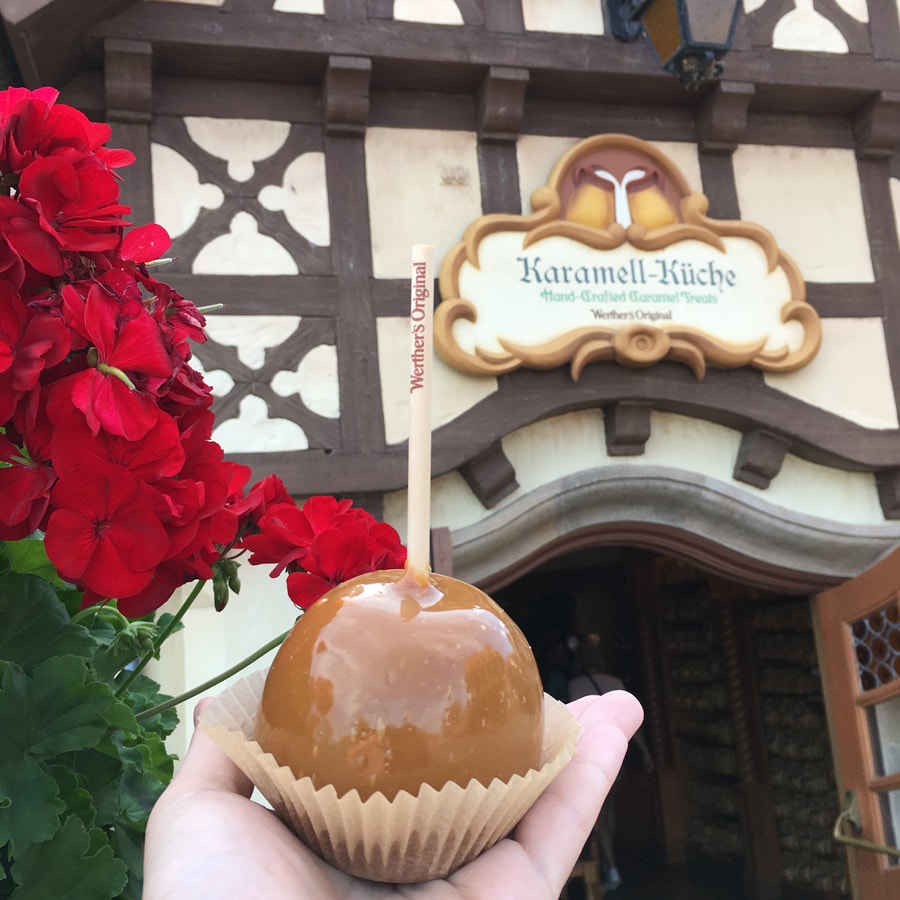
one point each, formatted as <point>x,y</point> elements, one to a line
<point>728,531</point>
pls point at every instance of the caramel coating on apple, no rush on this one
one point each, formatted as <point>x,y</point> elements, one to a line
<point>387,684</point>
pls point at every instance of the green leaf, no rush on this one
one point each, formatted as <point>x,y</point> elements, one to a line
<point>148,754</point>
<point>100,772</point>
<point>119,715</point>
<point>56,710</point>
<point>29,557</point>
<point>75,863</point>
<point>164,621</point>
<point>147,769</point>
<point>138,792</point>
<point>71,598</point>
<point>32,812</point>
<point>144,693</point>
<point>128,843</point>
<point>36,625</point>
<point>131,642</point>
<point>76,799</point>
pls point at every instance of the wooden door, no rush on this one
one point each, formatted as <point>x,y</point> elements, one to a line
<point>858,630</point>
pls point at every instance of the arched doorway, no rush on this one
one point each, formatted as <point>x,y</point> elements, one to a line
<point>743,797</point>
<point>752,552</point>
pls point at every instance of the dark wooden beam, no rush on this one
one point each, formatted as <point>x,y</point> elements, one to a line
<point>760,457</point>
<point>441,551</point>
<point>128,67</point>
<point>888,483</point>
<point>722,117</point>
<point>490,475</point>
<point>627,427</point>
<point>362,417</point>
<point>49,39</point>
<point>499,110</point>
<point>280,47</point>
<point>876,127</point>
<point>128,83</point>
<point>500,104</point>
<point>346,95</point>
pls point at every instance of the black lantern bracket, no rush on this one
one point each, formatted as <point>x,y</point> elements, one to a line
<point>689,37</point>
<point>624,19</point>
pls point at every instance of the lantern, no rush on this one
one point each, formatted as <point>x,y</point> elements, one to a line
<point>689,37</point>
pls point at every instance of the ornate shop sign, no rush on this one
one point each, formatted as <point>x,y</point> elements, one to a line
<point>619,261</point>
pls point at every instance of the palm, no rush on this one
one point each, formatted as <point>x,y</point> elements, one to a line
<point>207,838</point>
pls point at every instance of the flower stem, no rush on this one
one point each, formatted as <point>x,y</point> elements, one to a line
<point>187,695</point>
<point>161,638</point>
<point>102,612</point>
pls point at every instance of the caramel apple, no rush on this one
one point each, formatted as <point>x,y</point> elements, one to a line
<point>394,680</point>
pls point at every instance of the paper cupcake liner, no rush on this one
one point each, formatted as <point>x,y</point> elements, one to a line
<point>406,839</point>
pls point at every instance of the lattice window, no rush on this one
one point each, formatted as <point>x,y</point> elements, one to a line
<point>876,640</point>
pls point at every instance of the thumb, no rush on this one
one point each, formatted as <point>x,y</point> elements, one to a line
<point>206,767</point>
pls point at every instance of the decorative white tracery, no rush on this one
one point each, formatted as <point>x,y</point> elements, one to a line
<point>310,7</point>
<point>242,142</point>
<point>244,251</point>
<point>804,28</point>
<point>303,198</point>
<point>178,193</point>
<point>315,380</point>
<point>254,432</point>
<point>435,12</point>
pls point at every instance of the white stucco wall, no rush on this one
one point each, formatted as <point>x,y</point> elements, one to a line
<point>424,188</point>
<point>564,16</point>
<point>810,199</point>
<point>212,642</point>
<point>838,381</point>
<point>552,449</point>
<point>453,392</point>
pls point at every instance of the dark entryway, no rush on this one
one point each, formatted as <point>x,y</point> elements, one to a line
<point>743,798</point>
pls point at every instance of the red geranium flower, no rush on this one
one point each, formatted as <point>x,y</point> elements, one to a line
<point>105,533</point>
<point>283,539</point>
<point>334,557</point>
<point>125,349</point>
<point>34,127</point>
<point>30,341</point>
<point>157,455</point>
<point>75,203</point>
<point>105,426</point>
<point>21,228</point>
<point>339,554</point>
<point>24,492</point>
<point>260,497</point>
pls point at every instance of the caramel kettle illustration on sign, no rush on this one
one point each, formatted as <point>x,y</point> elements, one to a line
<point>620,262</point>
<point>637,195</point>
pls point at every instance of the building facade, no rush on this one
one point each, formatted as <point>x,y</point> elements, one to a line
<point>717,493</point>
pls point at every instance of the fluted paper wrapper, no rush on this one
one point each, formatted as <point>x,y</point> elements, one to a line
<point>406,839</point>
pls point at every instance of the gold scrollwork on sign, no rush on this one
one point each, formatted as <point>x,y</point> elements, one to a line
<point>619,261</point>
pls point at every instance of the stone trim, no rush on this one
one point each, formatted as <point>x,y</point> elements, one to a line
<point>711,524</point>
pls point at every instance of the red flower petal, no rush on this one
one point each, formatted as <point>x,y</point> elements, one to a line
<point>146,243</point>
<point>338,555</point>
<point>304,589</point>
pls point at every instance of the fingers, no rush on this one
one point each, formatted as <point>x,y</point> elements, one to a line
<point>206,767</point>
<point>555,829</point>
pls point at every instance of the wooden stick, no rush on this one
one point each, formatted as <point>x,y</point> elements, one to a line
<point>421,318</point>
